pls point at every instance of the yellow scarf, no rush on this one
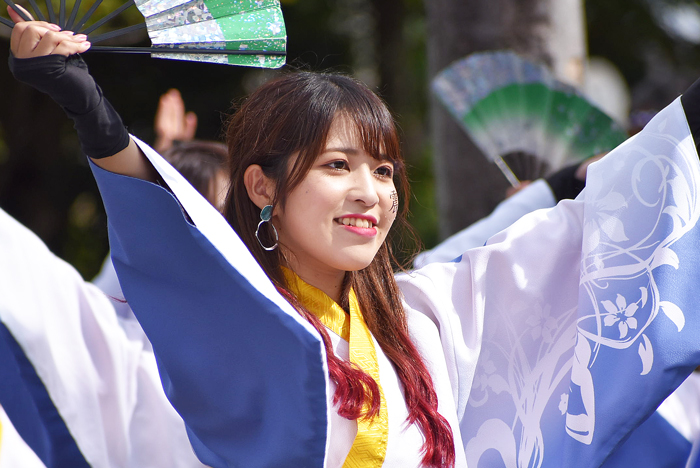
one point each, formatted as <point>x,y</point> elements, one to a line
<point>369,448</point>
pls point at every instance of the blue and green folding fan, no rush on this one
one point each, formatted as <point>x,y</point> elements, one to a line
<point>236,32</point>
<point>522,118</point>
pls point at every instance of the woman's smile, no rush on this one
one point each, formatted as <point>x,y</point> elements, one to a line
<point>363,225</point>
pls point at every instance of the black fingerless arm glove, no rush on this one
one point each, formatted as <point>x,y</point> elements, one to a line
<point>68,82</point>
<point>564,183</point>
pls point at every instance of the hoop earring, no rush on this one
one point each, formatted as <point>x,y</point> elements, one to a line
<point>265,217</point>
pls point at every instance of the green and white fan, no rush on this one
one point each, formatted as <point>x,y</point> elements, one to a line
<point>523,119</point>
<point>236,32</point>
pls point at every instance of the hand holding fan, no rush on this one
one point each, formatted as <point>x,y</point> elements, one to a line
<point>235,32</point>
<point>522,118</point>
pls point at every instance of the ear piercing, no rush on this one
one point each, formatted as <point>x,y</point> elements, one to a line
<point>265,217</point>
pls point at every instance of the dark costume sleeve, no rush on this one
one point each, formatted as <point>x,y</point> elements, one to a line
<point>240,366</point>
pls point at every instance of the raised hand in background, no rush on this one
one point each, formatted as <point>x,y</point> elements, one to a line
<point>172,123</point>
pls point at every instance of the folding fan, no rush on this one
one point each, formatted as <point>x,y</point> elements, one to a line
<point>522,118</point>
<point>236,32</point>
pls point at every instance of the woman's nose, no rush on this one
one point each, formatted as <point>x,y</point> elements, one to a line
<point>365,189</point>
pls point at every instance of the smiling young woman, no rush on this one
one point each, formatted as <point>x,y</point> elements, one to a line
<point>323,150</point>
<point>284,338</point>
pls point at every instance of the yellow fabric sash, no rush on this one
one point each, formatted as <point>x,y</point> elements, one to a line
<point>369,448</point>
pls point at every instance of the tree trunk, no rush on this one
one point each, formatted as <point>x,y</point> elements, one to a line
<point>551,31</point>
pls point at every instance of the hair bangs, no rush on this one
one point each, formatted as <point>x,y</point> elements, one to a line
<point>374,124</point>
<point>327,98</point>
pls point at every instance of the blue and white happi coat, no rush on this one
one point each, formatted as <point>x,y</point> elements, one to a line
<point>549,346</point>
<point>582,316</point>
<point>671,436</point>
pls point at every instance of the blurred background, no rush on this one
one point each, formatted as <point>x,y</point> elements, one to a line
<point>632,57</point>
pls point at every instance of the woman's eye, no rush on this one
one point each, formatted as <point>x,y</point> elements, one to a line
<point>385,171</point>
<point>338,165</point>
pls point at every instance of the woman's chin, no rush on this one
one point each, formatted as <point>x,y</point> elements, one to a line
<point>354,264</point>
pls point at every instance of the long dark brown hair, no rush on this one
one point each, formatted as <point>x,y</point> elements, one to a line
<point>293,114</point>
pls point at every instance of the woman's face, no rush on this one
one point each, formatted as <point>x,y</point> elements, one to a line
<point>336,219</point>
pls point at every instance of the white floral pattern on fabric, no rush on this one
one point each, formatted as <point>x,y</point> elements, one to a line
<point>551,370</point>
<point>622,314</point>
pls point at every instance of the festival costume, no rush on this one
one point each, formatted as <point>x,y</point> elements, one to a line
<point>535,196</point>
<point>14,451</point>
<point>385,440</point>
<point>404,442</point>
<point>76,387</point>
<point>547,347</point>
<point>277,340</point>
<point>106,279</point>
<point>665,439</point>
<point>537,353</point>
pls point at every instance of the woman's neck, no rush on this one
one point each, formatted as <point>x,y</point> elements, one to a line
<point>328,281</point>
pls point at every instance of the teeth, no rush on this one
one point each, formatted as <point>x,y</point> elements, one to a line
<point>361,223</point>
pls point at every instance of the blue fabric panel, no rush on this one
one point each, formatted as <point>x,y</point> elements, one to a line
<point>248,380</point>
<point>31,410</point>
<point>654,443</point>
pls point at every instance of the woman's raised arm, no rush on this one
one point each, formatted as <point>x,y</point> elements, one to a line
<point>45,58</point>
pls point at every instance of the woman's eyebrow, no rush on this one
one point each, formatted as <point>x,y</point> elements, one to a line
<point>342,150</point>
<point>356,151</point>
<point>352,152</point>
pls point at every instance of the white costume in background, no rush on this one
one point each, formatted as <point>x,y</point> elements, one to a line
<point>104,385</point>
<point>535,196</point>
